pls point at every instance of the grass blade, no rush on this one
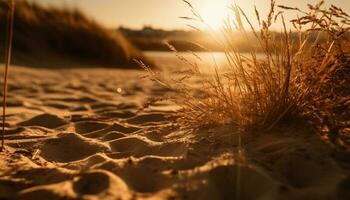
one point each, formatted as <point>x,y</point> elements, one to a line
<point>8,51</point>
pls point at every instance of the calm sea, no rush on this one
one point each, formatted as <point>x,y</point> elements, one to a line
<point>205,60</point>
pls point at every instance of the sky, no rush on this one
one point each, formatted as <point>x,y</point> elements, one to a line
<point>166,14</point>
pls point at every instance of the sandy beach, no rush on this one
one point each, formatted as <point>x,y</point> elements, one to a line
<point>85,134</point>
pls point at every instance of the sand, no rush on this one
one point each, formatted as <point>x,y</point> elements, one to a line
<point>82,134</point>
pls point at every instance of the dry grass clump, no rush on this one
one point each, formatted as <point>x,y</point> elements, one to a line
<point>56,35</point>
<point>322,83</point>
<point>303,76</point>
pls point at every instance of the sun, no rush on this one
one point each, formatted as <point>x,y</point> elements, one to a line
<point>215,12</point>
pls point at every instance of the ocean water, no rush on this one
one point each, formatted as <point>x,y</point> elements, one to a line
<point>206,61</point>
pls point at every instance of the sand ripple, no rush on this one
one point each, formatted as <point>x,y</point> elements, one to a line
<point>77,137</point>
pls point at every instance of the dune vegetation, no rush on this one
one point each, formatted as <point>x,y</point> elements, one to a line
<point>245,131</point>
<point>303,78</point>
<point>58,37</point>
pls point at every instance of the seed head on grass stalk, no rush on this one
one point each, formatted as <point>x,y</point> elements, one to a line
<point>258,93</point>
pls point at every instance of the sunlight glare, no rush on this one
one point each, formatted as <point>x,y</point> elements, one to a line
<point>215,12</point>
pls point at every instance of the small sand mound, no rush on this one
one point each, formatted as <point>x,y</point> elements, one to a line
<point>130,145</point>
<point>97,184</point>
<point>243,178</point>
<point>43,176</point>
<point>145,180</point>
<point>101,183</point>
<point>175,149</point>
<point>53,192</point>
<point>88,162</point>
<point>68,147</point>
<point>44,120</point>
<point>229,182</point>
<point>140,178</point>
<point>305,166</point>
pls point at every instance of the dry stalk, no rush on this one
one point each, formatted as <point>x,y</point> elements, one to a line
<point>8,51</point>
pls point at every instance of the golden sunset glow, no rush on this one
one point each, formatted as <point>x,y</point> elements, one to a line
<point>165,13</point>
<point>214,13</point>
<point>174,99</point>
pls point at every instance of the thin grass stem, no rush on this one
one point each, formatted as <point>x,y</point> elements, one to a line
<point>8,52</point>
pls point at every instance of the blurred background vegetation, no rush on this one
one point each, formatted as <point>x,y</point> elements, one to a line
<point>57,37</point>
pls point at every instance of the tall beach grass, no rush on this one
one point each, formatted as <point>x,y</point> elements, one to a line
<point>304,73</point>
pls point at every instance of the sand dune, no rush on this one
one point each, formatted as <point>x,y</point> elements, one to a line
<point>53,37</point>
<point>72,134</point>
